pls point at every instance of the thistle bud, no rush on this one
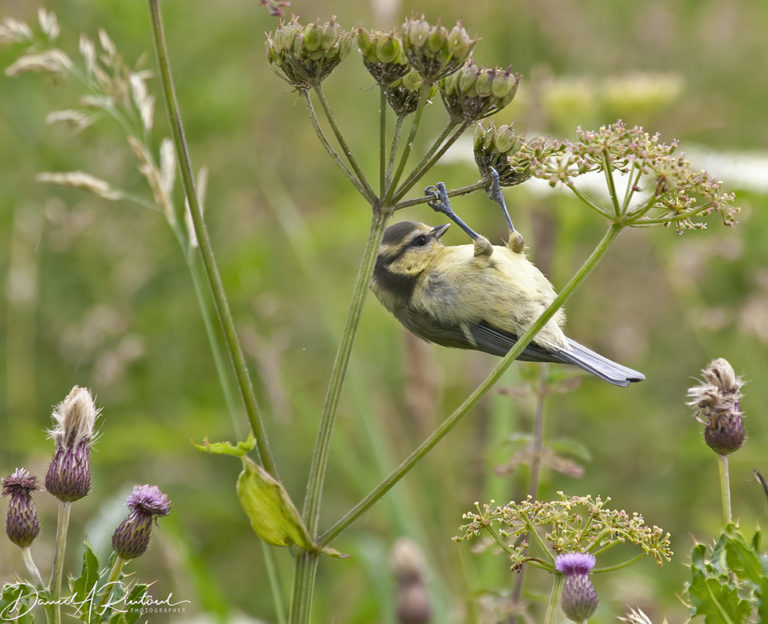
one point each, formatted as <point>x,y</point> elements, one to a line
<point>504,150</point>
<point>476,92</point>
<point>716,401</point>
<point>131,538</point>
<point>579,598</point>
<point>434,51</point>
<point>403,94</point>
<point>303,56</point>
<point>383,55</point>
<point>69,475</point>
<point>21,524</point>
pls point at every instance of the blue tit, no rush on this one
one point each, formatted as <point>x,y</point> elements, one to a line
<point>478,296</point>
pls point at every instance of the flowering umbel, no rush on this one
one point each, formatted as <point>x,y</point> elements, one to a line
<point>131,538</point>
<point>69,475</point>
<point>716,401</point>
<point>579,598</point>
<point>21,524</point>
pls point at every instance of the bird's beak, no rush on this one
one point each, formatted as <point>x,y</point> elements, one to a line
<point>439,230</point>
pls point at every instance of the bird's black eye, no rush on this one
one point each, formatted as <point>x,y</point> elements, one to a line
<point>419,241</point>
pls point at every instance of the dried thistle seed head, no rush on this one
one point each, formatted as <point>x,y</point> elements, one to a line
<point>69,475</point>
<point>303,56</point>
<point>383,55</point>
<point>716,401</point>
<point>475,92</point>
<point>131,537</point>
<point>21,523</point>
<point>403,94</point>
<point>434,51</point>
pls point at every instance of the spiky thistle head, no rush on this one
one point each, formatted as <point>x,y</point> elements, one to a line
<point>21,523</point>
<point>146,504</point>
<point>69,475</point>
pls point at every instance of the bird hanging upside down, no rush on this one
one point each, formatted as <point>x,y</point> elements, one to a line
<point>478,296</point>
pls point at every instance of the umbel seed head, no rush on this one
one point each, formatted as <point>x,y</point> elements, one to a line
<point>716,401</point>
<point>475,92</point>
<point>506,151</point>
<point>131,538</point>
<point>383,55</point>
<point>304,56</point>
<point>434,51</point>
<point>69,475</point>
<point>21,524</point>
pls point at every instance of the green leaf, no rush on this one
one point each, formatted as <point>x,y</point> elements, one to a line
<point>273,516</point>
<point>16,603</point>
<point>271,511</point>
<point>132,601</point>
<point>225,448</point>
<point>89,576</point>
<point>571,448</point>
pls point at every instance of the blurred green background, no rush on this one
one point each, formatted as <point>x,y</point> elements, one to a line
<point>97,294</point>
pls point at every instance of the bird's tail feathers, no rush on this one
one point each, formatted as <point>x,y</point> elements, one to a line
<point>602,367</point>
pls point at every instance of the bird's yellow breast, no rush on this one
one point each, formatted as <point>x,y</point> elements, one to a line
<point>504,289</point>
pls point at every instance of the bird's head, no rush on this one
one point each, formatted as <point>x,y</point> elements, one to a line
<point>409,247</point>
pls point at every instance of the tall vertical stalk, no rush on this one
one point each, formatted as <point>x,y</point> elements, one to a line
<point>62,527</point>
<point>209,262</point>
<point>725,488</point>
<point>554,599</point>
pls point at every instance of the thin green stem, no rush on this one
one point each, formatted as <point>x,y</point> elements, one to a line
<point>303,588</point>
<point>62,526</point>
<point>725,488</point>
<point>542,544</point>
<point>498,539</point>
<point>415,122</point>
<point>538,433</point>
<point>618,566</point>
<point>114,574</point>
<point>553,604</point>
<point>329,148</point>
<point>338,372</point>
<point>407,464</point>
<point>608,171</point>
<point>434,153</point>
<point>367,190</point>
<point>393,152</point>
<point>306,564</point>
<point>634,177</point>
<point>589,202</point>
<point>26,554</point>
<point>211,270</point>
<point>382,140</point>
<point>464,190</point>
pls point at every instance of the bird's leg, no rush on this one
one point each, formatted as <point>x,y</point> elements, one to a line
<point>442,204</point>
<point>515,242</point>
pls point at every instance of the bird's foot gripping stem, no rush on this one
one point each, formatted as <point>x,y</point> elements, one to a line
<point>442,204</point>
<point>515,242</point>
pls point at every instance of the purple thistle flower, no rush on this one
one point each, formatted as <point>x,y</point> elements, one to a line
<point>579,598</point>
<point>131,538</point>
<point>574,563</point>
<point>21,525</point>
<point>69,475</point>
